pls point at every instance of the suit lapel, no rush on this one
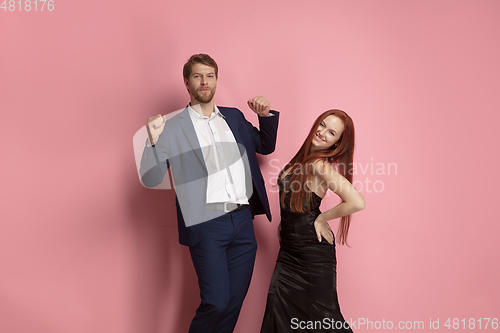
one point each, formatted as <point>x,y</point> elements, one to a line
<point>233,123</point>
<point>188,128</point>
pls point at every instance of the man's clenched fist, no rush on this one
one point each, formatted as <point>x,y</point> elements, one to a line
<point>260,105</point>
<point>155,127</point>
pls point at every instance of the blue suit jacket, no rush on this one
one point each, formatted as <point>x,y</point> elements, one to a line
<point>178,148</point>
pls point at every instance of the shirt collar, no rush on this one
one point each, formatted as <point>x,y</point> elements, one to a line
<point>195,116</point>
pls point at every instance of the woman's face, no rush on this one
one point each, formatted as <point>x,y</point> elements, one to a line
<point>328,133</point>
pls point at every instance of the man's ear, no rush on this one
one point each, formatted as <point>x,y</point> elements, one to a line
<point>186,84</point>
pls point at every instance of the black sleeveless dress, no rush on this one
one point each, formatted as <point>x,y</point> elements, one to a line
<point>303,292</point>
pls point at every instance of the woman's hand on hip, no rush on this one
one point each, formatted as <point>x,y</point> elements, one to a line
<point>323,229</point>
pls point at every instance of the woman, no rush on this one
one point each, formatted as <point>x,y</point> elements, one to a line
<point>302,295</point>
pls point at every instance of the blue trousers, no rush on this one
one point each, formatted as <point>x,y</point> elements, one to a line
<point>224,261</point>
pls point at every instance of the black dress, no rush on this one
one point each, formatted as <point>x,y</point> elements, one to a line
<point>303,292</point>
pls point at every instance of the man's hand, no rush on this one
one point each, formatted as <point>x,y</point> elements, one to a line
<point>155,127</point>
<point>260,105</point>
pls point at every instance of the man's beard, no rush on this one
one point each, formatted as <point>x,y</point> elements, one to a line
<point>204,98</point>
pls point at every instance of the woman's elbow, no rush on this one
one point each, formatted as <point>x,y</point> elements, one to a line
<point>360,204</point>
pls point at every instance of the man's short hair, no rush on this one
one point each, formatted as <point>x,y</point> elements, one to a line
<point>201,58</point>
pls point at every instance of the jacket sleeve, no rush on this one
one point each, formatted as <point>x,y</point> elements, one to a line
<point>154,162</point>
<point>264,138</point>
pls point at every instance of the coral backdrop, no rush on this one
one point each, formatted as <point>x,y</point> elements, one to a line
<point>85,248</point>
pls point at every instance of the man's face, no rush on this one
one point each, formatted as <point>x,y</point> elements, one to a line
<point>202,83</point>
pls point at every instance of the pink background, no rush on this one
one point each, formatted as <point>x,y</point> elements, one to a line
<point>85,248</point>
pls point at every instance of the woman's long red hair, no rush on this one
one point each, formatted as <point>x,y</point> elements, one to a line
<point>300,167</point>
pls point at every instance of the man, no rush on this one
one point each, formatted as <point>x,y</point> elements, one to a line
<point>219,188</point>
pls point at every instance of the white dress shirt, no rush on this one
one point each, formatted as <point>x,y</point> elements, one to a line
<point>226,183</point>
